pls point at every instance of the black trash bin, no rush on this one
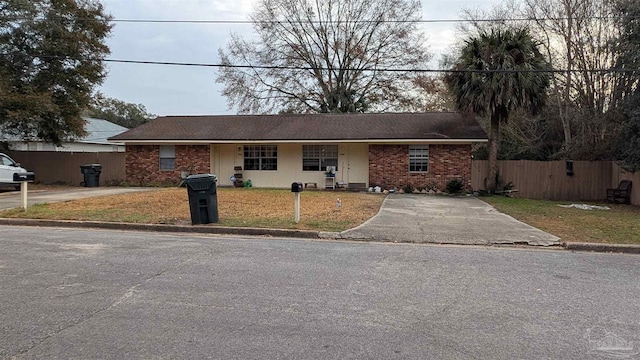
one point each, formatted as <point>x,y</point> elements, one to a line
<point>203,198</point>
<point>91,174</point>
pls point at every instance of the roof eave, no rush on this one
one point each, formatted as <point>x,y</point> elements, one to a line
<point>317,141</point>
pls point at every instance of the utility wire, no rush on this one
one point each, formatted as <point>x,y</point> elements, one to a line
<point>450,71</point>
<point>307,68</point>
<point>364,21</point>
<point>425,21</point>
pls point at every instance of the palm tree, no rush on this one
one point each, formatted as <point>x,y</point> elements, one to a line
<point>497,72</point>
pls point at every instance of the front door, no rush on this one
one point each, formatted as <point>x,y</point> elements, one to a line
<point>358,164</point>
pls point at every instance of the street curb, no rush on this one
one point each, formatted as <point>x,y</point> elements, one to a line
<point>285,233</point>
<point>596,247</point>
<point>198,229</point>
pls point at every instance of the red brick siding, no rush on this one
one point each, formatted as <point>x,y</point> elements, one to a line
<point>389,166</point>
<point>143,163</point>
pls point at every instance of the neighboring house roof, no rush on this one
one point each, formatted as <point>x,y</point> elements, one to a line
<point>98,131</point>
<point>436,126</point>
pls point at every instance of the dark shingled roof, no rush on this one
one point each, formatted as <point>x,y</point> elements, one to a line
<point>312,127</point>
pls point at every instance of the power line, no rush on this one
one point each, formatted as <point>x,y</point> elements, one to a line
<point>240,22</point>
<point>450,71</point>
<point>423,21</point>
<point>307,68</point>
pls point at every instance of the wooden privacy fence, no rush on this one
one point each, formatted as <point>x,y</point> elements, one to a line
<point>548,180</point>
<point>619,174</point>
<point>64,167</point>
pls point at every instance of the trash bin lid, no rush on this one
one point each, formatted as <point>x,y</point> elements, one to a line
<point>201,182</point>
<point>200,177</point>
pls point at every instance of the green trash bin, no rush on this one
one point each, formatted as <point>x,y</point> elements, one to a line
<point>203,198</point>
<point>91,174</point>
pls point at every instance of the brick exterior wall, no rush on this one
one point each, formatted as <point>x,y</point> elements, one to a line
<point>143,163</point>
<point>389,166</point>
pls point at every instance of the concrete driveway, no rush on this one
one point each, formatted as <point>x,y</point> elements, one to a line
<point>446,220</point>
<point>11,199</point>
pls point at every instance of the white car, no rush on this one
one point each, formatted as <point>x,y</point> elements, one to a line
<point>8,167</point>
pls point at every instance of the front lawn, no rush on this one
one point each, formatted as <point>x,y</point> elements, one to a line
<point>240,207</point>
<point>619,225</point>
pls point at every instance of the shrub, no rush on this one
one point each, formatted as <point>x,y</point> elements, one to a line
<point>508,186</point>
<point>454,186</point>
<point>407,189</point>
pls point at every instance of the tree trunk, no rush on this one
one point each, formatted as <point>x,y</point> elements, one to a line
<point>494,140</point>
<point>564,110</point>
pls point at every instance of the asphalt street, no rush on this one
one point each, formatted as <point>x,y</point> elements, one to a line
<point>101,294</point>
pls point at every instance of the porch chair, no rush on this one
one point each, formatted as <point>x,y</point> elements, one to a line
<point>621,194</point>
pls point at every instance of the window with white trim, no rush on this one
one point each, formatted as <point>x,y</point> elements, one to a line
<point>418,158</point>
<point>167,157</point>
<point>261,157</point>
<point>318,157</point>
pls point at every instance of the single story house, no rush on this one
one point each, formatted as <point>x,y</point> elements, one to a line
<point>386,149</point>
<point>98,131</point>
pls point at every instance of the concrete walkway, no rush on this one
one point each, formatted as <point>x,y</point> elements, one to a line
<point>446,220</point>
<point>9,200</point>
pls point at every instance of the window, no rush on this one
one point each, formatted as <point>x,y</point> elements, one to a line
<point>261,157</point>
<point>167,157</point>
<point>318,157</point>
<point>418,158</point>
<point>6,161</point>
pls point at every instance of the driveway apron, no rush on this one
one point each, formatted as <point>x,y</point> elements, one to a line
<point>446,220</point>
<point>12,199</point>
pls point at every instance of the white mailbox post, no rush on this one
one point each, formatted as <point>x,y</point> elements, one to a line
<point>24,179</point>
<point>296,188</point>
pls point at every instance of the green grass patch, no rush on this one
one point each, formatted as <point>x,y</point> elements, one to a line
<point>619,225</point>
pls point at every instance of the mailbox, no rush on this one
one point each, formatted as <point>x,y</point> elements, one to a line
<point>25,176</point>
<point>296,187</point>
<point>569,166</point>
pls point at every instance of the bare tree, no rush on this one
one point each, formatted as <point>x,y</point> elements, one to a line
<point>581,36</point>
<point>314,56</point>
<point>432,95</point>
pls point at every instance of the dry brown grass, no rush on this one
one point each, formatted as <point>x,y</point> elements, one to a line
<point>237,207</point>
<point>34,187</point>
<point>619,225</point>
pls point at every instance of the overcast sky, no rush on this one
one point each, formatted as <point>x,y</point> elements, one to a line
<point>177,90</point>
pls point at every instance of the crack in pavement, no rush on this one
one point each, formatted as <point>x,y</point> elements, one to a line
<point>128,294</point>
